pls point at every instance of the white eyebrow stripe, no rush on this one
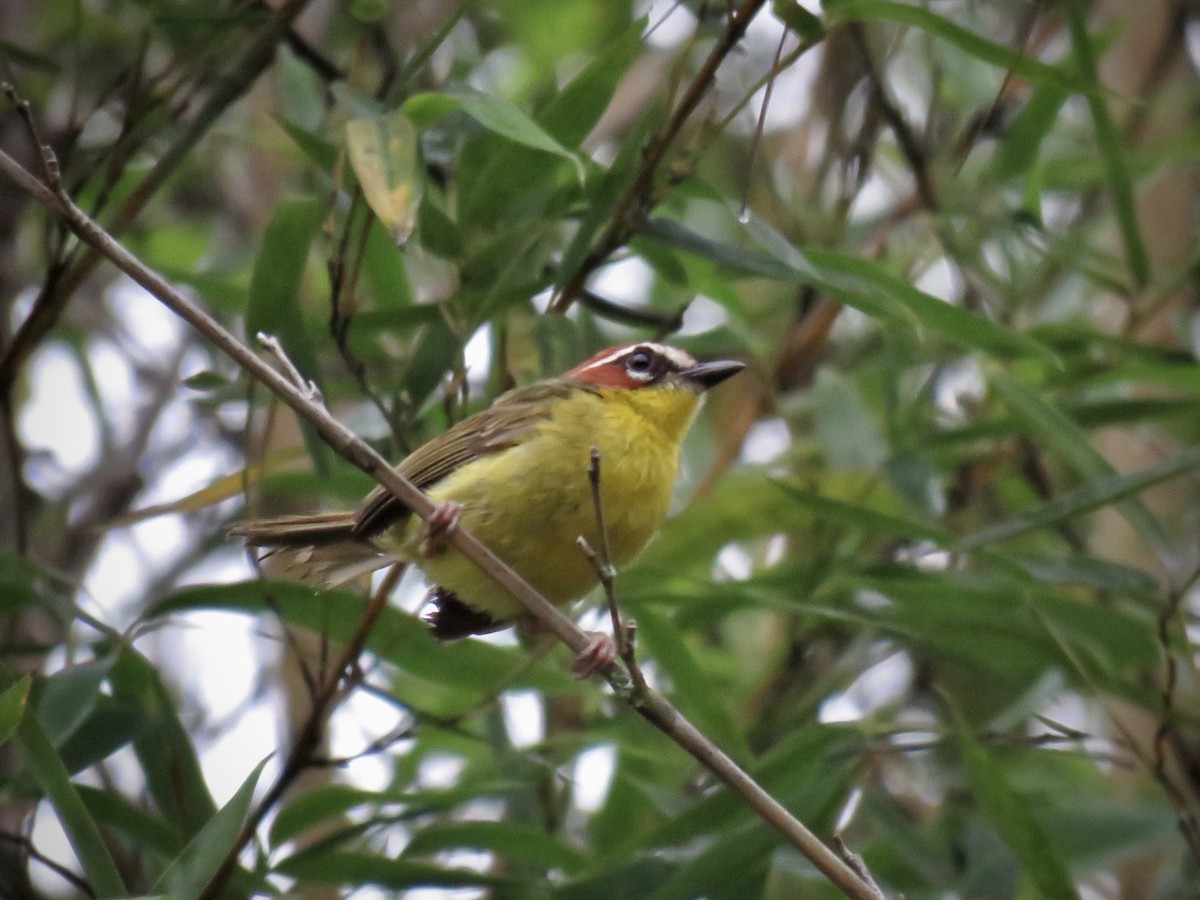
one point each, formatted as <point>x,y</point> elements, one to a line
<point>605,360</point>
<point>678,358</point>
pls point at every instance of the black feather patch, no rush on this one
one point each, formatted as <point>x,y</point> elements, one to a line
<point>452,619</point>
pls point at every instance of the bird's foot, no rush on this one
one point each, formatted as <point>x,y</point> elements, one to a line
<point>442,523</point>
<point>598,655</point>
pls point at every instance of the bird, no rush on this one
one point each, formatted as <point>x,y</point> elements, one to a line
<point>516,474</point>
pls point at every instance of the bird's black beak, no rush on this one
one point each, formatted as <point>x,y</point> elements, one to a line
<point>709,374</point>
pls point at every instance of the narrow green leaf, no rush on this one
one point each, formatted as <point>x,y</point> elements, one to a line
<point>968,41</point>
<point>518,843</point>
<point>315,806</point>
<point>274,305</point>
<point>12,706</point>
<point>164,751</point>
<point>1085,499</point>
<point>500,116</point>
<point>334,800</point>
<point>44,764</point>
<point>120,814</point>
<point>694,691</point>
<point>66,698</point>
<point>864,285</point>
<point>274,302</point>
<point>1012,816</point>
<point>352,868</point>
<point>190,872</point>
<point>111,725</point>
<point>807,26</point>
<point>572,113</point>
<point>1110,145</point>
<point>851,280</point>
<point>830,509</point>
<point>1023,138</point>
<point>428,108</point>
<point>1050,426</point>
<point>206,381</point>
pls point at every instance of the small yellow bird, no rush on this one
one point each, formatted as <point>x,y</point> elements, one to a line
<point>516,475</point>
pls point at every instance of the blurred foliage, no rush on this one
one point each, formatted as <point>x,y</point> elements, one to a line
<point>932,577</point>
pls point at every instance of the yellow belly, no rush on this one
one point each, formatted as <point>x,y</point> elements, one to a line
<point>531,502</point>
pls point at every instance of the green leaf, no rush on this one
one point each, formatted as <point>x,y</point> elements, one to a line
<point>849,437</point>
<point>145,829</point>
<point>164,751</point>
<point>518,843</point>
<point>1022,140</point>
<point>66,698</point>
<point>12,706</point>
<point>570,116</point>
<point>1110,145</point>
<point>500,116</point>
<point>694,691</point>
<point>981,48</point>
<point>206,381</point>
<point>189,874</point>
<point>807,26</point>
<point>274,305</point>
<point>1012,816</point>
<point>352,868</point>
<point>111,725</point>
<point>383,152</point>
<point>1105,486</point>
<point>426,109</point>
<point>46,766</point>
<point>864,285</point>
<point>833,510</point>
<point>334,800</point>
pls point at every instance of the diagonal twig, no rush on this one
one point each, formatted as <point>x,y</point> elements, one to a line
<point>639,198</point>
<point>623,632</point>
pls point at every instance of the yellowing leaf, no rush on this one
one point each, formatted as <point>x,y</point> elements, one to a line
<point>383,153</point>
<point>222,489</point>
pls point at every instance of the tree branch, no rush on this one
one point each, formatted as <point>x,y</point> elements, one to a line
<point>649,704</point>
<point>639,199</point>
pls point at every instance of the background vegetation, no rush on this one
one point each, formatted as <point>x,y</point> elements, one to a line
<point>933,572</point>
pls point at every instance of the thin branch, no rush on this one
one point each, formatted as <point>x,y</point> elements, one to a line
<point>639,199</point>
<point>648,703</point>
<point>1166,734</point>
<point>26,846</point>
<point>759,126</point>
<point>623,633</point>
<point>909,145</point>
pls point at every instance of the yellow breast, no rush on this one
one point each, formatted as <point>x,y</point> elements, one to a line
<point>530,503</point>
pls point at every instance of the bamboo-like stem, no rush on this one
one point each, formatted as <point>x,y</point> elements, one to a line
<point>649,703</point>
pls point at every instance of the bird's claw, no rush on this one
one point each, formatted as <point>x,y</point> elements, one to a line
<point>442,523</point>
<point>598,655</point>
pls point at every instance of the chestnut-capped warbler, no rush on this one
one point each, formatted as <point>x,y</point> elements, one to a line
<point>516,475</point>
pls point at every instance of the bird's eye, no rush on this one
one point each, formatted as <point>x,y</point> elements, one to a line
<point>639,361</point>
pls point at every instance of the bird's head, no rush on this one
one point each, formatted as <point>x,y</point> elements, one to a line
<point>662,385</point>
<point>637,367</point>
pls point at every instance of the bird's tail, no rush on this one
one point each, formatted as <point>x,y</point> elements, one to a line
<point>321,550</point>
